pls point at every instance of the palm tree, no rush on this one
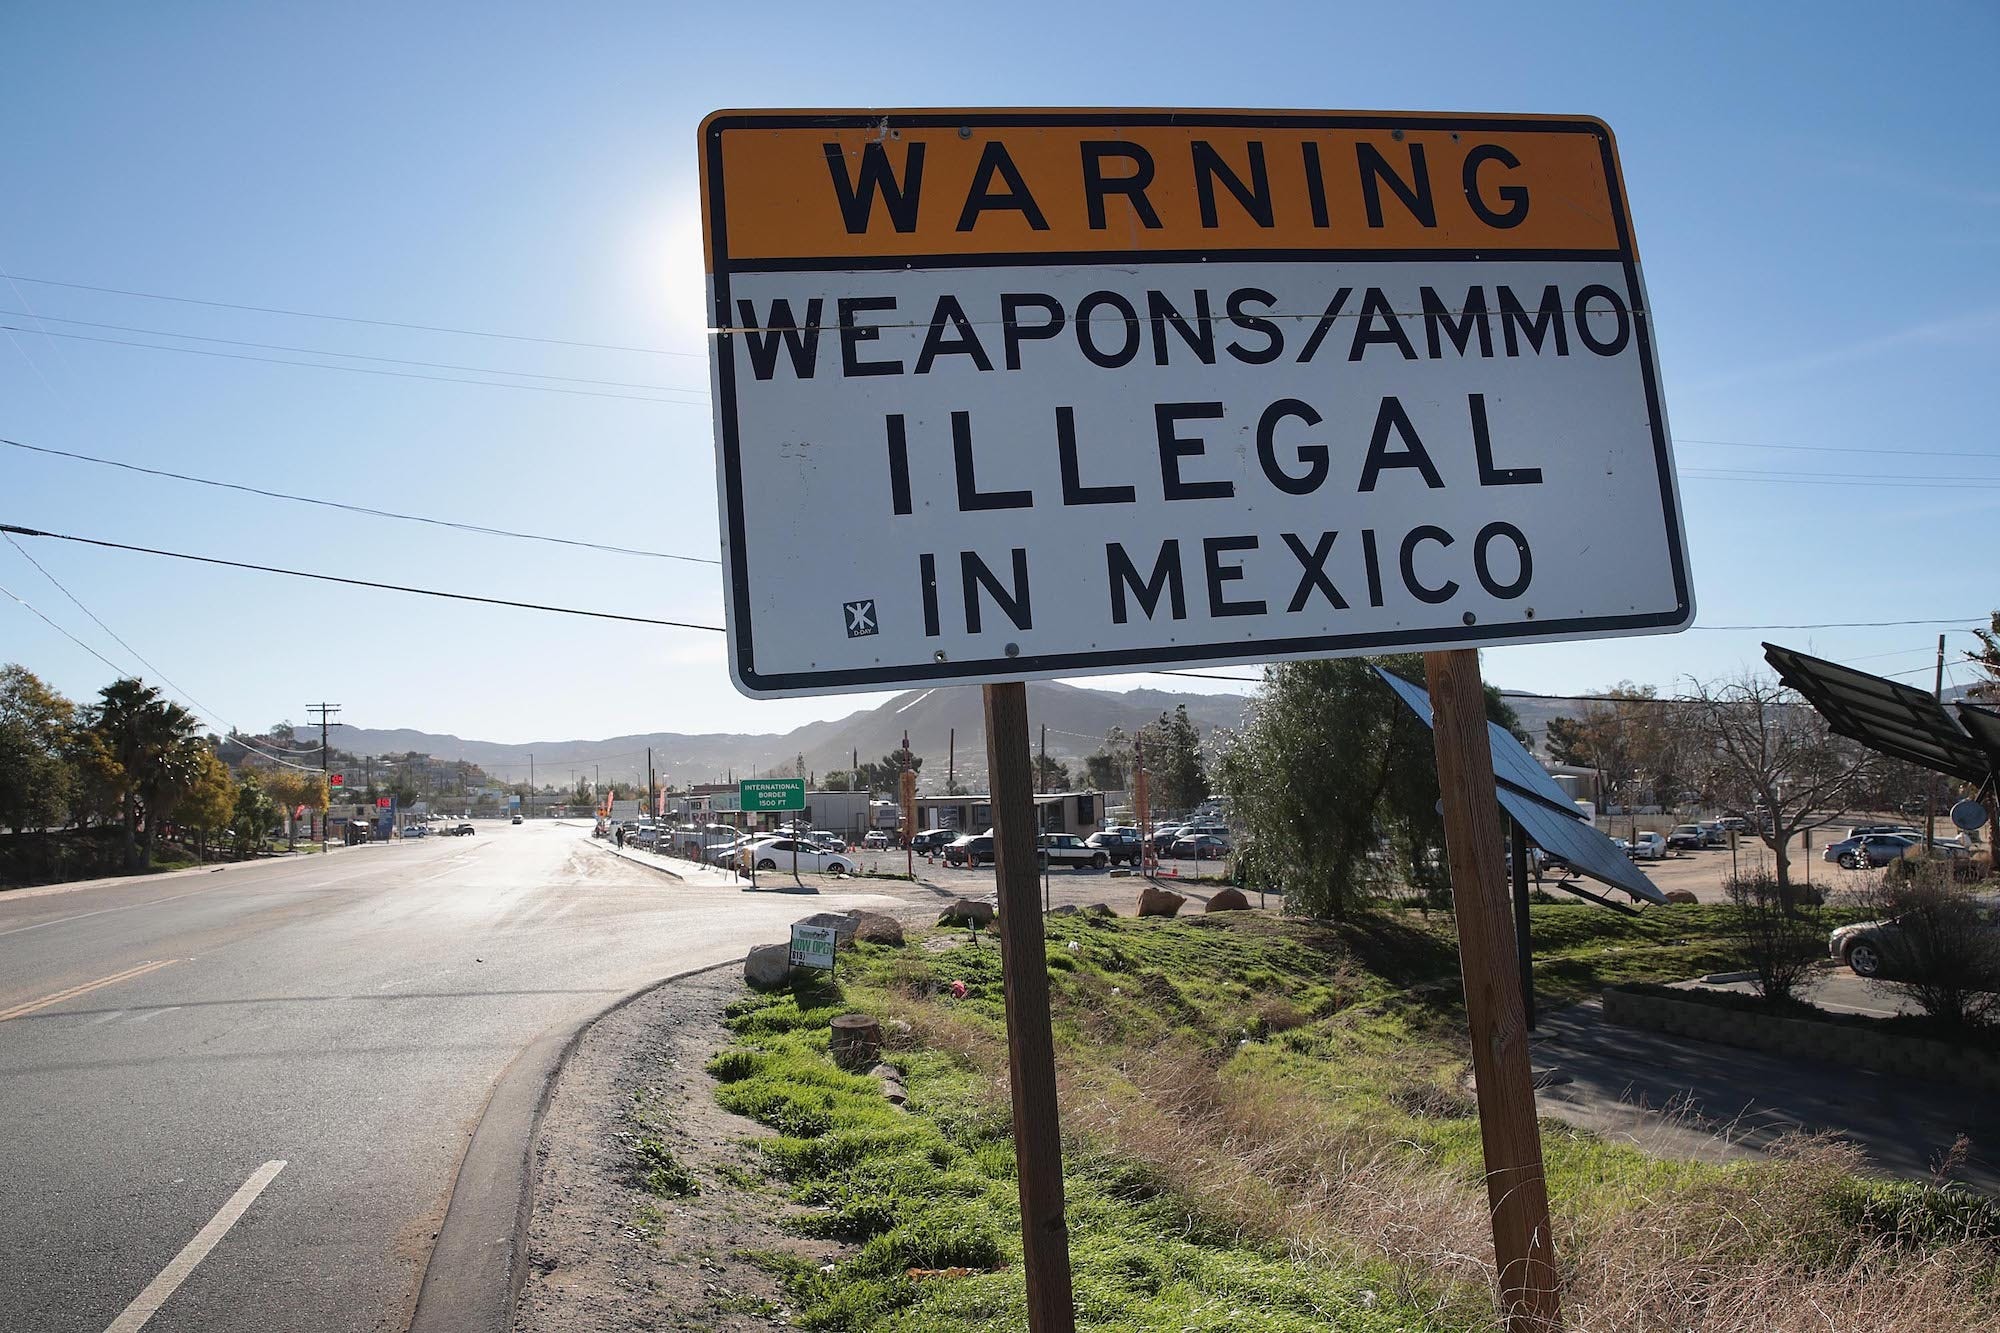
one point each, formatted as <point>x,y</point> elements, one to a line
<point>153,751</point>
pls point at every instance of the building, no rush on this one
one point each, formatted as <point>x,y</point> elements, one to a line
<point>1078,812</point>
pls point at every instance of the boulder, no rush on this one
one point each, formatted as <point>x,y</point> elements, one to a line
<point>877,928</point>
<point>1156,901</point>
<point>1100,910</point>
<point>843,924</point>
<point>1228,900</point>
<point>1681,896</point>
<point>1067,909</point>
<point>768,966</point>
<point>968,911</point>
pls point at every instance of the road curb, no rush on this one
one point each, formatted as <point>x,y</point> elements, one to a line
<point>475,1271</point>
<point>633,858</point>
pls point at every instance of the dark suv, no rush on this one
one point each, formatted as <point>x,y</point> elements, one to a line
<point>1117,845</point>
<point>974,849</point>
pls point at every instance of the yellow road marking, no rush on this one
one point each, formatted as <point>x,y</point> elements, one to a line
<point>31,1006</point>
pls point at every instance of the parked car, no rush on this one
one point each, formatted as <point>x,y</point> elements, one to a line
<point>1648,847</point>
<point>1066,849</point>
<point>463,830</point>
<point>1119,845</point>
<point>1202,846</point>
<point>1896,830</point>
<point>874,840</point>
<point>1163,837</point>
<point>517,819</point>
<point>973,849</point>
<point>1877,948</point>
<point>1686,836</point>
<point>1879,849</point>
<point>725,853</point>
<point>1713,834</point>
<point>1734,824</point>
<point>643,836</point>
<point>1869,850</point>
<point>785,853</point>
<point>416,830</point>
<point>932,840</point>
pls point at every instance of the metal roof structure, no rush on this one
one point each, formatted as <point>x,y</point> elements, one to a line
<point>1543,810</point>
<point>1894,719</point>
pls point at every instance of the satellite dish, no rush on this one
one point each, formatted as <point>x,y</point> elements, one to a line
<point>1969,815</point>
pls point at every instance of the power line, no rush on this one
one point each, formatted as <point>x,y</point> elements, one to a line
<point>358,509</point>
<point>60,630</point>
<point>352,356</point>
<point>355,319</point>
<point>356,583</point>
<point>357,370</point>
<point>1876,482</point>
<point>1840,449</point>
<point>116,637</point>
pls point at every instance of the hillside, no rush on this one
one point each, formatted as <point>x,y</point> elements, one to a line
<point>1077,720</point>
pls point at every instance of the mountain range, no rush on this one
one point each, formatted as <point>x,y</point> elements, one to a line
<point>946,726</point>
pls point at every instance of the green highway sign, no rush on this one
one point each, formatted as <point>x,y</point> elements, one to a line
<point>756,794</point>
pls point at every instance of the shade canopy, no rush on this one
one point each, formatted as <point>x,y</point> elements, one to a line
<point>1543,810</point>
<point>1892,718</point>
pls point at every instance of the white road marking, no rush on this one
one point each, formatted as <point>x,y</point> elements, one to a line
<point>122,907</point>
<point>30,1006</point>
<point>148,1302</point>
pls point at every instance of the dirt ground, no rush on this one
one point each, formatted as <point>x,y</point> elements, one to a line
<point>607,1255</point>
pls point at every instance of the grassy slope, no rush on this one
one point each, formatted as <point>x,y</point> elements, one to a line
<point>1266,1130</point>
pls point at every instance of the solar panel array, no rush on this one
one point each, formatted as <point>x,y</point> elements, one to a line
<point>1543,809</point>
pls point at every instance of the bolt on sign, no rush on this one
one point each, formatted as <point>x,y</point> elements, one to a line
<point>1009,394</point>
<point>765,794</point>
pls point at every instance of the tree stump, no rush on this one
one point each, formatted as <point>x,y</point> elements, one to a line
<point>854,1040</point>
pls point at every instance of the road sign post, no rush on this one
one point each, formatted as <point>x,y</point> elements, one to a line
<point>1115,390</point>
<point>1516,1190</point>
<point>1031,1061</point>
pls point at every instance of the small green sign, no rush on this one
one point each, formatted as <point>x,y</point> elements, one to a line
<point>757,794</point>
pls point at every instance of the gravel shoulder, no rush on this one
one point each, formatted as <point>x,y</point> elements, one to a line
<point>607,1252</point>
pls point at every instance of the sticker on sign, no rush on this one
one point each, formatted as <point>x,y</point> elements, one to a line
<point>1022,394</point>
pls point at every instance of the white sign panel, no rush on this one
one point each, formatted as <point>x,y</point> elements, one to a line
<point>1004,395</point>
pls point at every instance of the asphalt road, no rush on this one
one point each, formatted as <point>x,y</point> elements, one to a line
<point>163,1041</point>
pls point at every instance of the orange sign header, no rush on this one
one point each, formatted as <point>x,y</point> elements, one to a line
<point>878,186</point>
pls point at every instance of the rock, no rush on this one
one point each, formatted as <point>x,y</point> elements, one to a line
<point>1067,909</point>
<point>1156,901</point>
<point>843,924</point>
<point>966,912</point>
<point>1100,909</point>
<point>877,928</point>
<point>1228,900</point>
<point>1681,896</point>
<point>768,965</point>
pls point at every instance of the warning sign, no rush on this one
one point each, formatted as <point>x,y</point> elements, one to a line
<point>1015,394</point>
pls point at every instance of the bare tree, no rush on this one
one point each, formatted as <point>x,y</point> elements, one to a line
<point>1772,758</point>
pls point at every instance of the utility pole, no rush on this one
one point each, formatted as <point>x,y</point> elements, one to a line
<point>530,812</point>
<point>951,762</point>
<point>1930,781</point>
<point>649,779</point>
<point>326,712</point>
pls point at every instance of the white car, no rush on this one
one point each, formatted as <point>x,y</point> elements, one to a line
<point>1648,847</point>
<point>778,853</point>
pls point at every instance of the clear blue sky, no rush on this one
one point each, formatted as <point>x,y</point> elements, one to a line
<point>1816,192</point>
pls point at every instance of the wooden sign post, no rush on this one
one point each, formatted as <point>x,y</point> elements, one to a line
<point>1516,1189</point>
<point>1031,1053</point>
